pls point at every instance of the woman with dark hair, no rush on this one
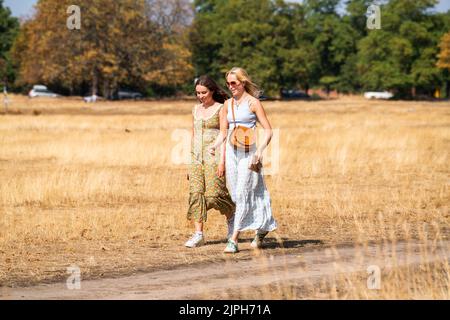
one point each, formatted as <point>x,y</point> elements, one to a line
<point>207,184</point>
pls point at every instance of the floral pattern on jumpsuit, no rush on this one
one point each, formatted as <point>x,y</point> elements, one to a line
<point>206,190</point>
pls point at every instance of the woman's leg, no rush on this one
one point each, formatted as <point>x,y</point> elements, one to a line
<point>231,180</point>
<point>197,204</point>
<point>235,237</point>
<point>242,185</point>
<point>198,226</point>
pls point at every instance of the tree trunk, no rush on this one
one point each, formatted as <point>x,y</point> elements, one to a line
<point>5,98</point>
<point>94,82</point>
<point>447,94</point>
<point>113,88</point>
<point>413,92</point>
<point>106,90</point>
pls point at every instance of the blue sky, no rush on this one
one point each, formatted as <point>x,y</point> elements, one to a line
<point>24,7</point>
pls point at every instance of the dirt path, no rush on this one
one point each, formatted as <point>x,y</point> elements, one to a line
<point>210,280</point>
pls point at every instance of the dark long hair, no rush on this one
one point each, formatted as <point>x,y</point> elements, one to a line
<point>219,95</point>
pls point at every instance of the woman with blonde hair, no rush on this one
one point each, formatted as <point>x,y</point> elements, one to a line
<point>247,186</point>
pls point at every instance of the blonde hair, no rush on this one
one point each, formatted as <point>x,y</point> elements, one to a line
<point>242,75</point>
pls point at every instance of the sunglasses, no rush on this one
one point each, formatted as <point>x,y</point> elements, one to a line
<point>232,83</point>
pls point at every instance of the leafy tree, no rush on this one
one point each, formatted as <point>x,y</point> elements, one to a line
<point>120,42</point>
<point>328,82</point>
<point>356,15</point>
<point>9,27</point>
<point>234,33</point>
<point>335,40</point>
<point>268,38</point>
<point>444,60</point>
<point>319,7</point>
<point>206,37</point>
<point>402,55</point>
<point>444,55</point>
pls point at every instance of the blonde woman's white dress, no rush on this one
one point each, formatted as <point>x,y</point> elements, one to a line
<point>248,189</point>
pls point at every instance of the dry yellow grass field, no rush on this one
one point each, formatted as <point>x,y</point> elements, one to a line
<point>94,185</point>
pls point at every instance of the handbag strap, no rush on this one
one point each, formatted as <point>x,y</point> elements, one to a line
<point>232,110</point>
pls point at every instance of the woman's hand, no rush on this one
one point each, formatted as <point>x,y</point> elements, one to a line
<point>212,151</point>
<point>258,156</point>
<point>221,170</point>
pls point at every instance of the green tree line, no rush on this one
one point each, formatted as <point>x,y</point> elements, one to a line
<point>309,44</point>
<point>158,46</point>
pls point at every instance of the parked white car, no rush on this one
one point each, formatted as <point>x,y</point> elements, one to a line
<point>91,99</point>
<point>378,95</point>
<point>41,91</point>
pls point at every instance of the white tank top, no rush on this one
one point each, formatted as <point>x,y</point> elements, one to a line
<point>243,114</point>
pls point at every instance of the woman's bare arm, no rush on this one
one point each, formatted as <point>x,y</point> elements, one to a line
<point>223,128</point>
<point>192,138</point>
<point>258,109</point>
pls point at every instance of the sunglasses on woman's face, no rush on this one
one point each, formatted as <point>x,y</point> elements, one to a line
<point>233,83</point>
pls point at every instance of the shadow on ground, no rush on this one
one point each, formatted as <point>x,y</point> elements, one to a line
<point>273,243</point>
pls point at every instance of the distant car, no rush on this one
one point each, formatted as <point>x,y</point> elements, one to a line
<point>42,91</point>
<point>263,97</point>
<point>294,94</point>
<point>91,99</point>
<point>127,94</point>
<point>378,95</point>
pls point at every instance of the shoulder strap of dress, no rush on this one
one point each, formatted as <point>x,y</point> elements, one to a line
<point>219,108</point>
<point>194,112</point>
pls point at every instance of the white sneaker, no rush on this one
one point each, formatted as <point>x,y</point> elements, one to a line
<point>196,240</point>
<point>232,247</point>
<point>230,228</point>
<point>258,240</point>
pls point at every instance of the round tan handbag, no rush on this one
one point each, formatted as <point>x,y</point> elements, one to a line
<point>242,138</point>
